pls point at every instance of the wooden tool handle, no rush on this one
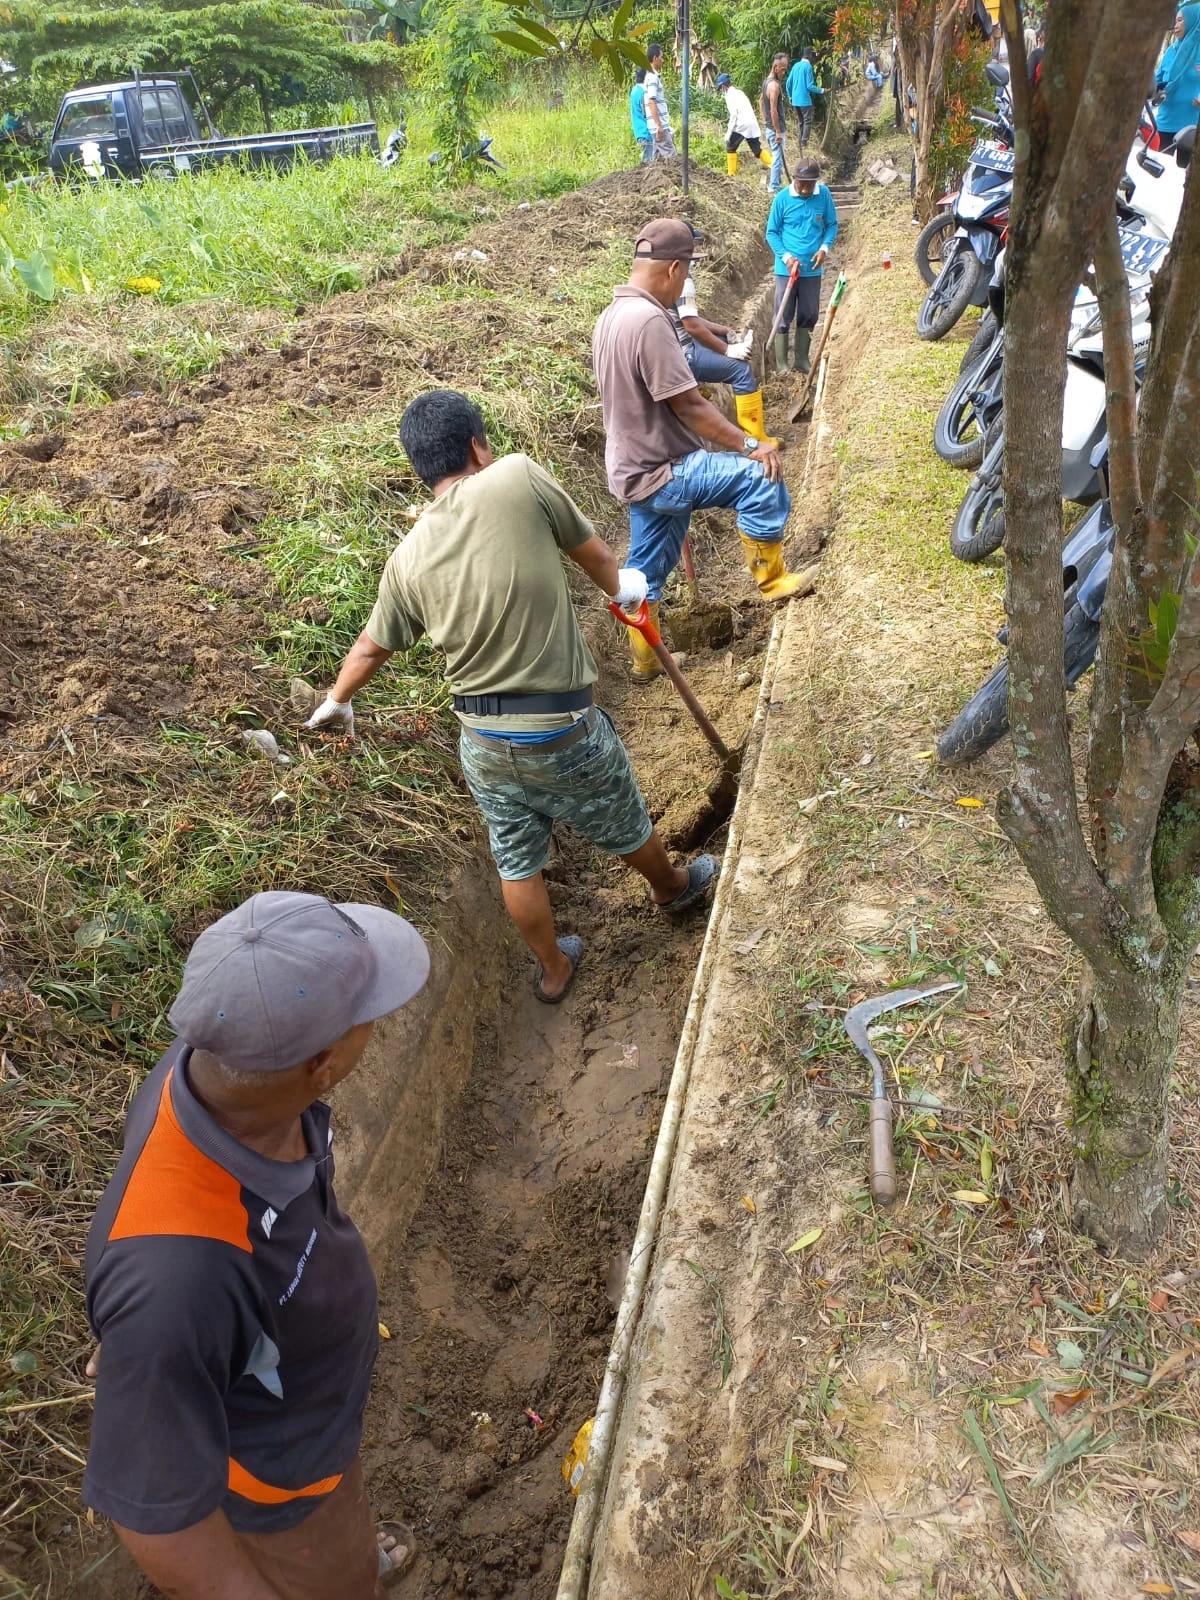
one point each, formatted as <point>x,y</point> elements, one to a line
<point>883,1158</point>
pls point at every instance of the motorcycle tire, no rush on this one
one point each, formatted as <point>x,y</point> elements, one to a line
<point>984,335</point>
<point>953,438</point>
<point>983,721</point>
<point>931,243</point>
<point>951,292</point>
<point>979,526</point>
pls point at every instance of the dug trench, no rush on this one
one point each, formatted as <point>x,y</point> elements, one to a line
<point>493,1150</point>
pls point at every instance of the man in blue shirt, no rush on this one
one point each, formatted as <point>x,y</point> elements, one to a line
<point>801,227</point>
<point>637,116</point>
<point>801,86</point>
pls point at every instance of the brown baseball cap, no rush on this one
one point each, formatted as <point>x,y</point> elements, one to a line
<point>666,239</point>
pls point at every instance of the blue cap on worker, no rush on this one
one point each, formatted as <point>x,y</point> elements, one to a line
<point>724,81</point>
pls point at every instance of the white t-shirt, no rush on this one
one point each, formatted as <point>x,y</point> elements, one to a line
<point>741,115</point>
<point>652,89</point>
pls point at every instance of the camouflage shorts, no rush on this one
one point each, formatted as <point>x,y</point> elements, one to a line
<point>524,789</point>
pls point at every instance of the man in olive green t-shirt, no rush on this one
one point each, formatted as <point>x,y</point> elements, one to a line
<point>481,573</point>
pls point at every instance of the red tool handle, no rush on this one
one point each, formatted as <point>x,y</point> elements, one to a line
<point>641,620</point>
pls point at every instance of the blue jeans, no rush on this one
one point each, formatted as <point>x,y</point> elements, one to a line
<point>658,525</point>
<point>646,146</point>
<point>709,367</point>
<point>775,146</point>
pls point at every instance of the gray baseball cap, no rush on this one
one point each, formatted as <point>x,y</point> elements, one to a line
<point>283,976</point>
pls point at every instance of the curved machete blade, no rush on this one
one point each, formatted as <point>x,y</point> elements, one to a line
<point>860,1017</point>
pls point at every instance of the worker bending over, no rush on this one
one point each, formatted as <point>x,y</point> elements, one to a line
<point>717,355</point>
<point>743,124</point>
<point>801,227</point>
<point>232,1297</point>
<point>656,421</point>
<point>481,573</point>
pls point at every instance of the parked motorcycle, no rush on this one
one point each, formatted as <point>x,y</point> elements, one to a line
<point>1155,176</point>
<point>935,239</point>
<point>1087,561</point>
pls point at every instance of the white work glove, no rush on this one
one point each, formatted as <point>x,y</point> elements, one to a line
<point>631,588</point>
<point>739,350</point>
<point>332,715</point>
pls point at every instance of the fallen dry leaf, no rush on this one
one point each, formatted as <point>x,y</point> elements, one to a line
<point>1036,1299</point>
<point>925,755</point>
<point>748,1202</point>
<point>971,1197</point>
<point>969,802</point>
<point>1171,1367</point>
<point>1191,1540</point>
<point>1065,1401</point>
<point>1039,1348</point>
<point>827,1463</point>
<point>384,1331</point>
<point>1159,1301</point>
<point>1156,1588</point>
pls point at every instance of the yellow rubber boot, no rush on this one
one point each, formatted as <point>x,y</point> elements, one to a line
<point>749,409</point>
<point>731,163</point>
<point>766,567</point>
<point>646,665</point>
<point>765,159</point>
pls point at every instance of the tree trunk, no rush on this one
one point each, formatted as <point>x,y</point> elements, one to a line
<point>265,103</point>
<point>1125,1044</point>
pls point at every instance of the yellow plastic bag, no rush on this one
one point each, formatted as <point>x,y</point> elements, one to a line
<point>576,1456</point>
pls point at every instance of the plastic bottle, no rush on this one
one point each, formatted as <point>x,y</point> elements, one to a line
<point>576,1456</point>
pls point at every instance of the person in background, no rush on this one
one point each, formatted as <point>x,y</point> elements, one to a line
<point>999,45</point>
<point>233,1299</point>
<point>801,86</point>
<point>1178,75</point>
<point>1036,55</point>
<point>481,573</point>
<point>743,124</point>
<point>770,102</point>
<point>872,73</point>
<point>801,228</point>
<point>662,138</point>
<point>637,116</point>
<point>717,355</point>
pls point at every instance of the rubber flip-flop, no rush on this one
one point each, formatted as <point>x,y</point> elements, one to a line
<point>702,874</point>
<point>389,1570</point>
<point>571,946</point>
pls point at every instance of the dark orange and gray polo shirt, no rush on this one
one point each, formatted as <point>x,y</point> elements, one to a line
<point>237,1311</point>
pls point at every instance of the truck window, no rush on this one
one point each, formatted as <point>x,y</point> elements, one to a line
<point>88,119</point>
<point>163,116</point>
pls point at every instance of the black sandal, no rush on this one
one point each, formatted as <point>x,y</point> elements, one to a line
<point>702,874</point>
<point>571,946</point>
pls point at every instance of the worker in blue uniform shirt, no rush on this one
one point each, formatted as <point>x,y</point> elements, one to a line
<point>800,88</point>
<point>801,227</point>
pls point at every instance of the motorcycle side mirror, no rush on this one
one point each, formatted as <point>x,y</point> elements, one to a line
<point>1099,455</point>
<point>1185,143</point>
<point>995,73</point>
<point>1148,164</point>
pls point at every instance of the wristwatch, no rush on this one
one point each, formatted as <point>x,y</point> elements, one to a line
<point>749,445</point>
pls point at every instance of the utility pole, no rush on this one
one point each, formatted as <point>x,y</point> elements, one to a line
<point>685,23</point>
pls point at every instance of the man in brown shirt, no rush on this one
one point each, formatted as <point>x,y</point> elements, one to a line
<point>656,422</point>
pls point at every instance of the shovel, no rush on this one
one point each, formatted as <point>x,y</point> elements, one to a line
<point>779,316</point>
<point>810,377</point>
<point>858,1019</point>
<point>642,621</point>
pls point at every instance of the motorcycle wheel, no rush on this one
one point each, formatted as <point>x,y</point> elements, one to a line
<point>951,292</point>
<point>979,526</point>
<point>983,721</point>
<point>984,335</point>
<point>959,432</point>
<point>932,240</point>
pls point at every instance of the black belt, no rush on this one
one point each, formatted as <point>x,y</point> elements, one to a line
<point>520,705</point>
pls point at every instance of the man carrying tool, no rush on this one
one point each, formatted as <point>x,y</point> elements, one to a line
<point>717,355</point>
<point>656,421</point>
<point>233,1299</point>
<point>743,124</point>
<point>801,86</point>
<point>801,228</point>
<point>481,573</point>
<point>662,139</point>
<point>774,126</point>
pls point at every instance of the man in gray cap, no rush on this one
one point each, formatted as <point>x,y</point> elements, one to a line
<point>234,1300</point>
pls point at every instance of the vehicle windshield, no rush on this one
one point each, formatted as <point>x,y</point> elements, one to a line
<point>88,119</point>
<point>163,116</point>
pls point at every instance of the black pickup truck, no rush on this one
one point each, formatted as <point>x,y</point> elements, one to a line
<point>150,125</point>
